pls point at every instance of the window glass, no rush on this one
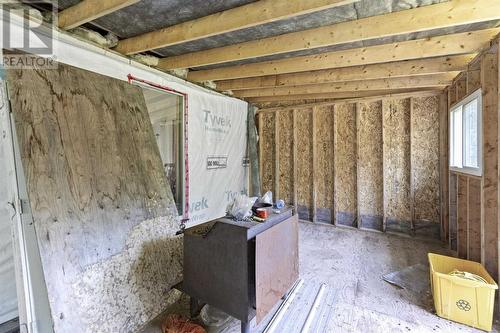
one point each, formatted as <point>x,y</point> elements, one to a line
<point>465,135</point>
<point>166,111</point>
<point>471,135</point>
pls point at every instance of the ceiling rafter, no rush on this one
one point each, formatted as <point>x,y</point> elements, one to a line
<point>89,10</point>
<point>446,45</point>
<point>427,81</point>
<point>368,72</point>
<point>443,15</point>
<point>250,15</point>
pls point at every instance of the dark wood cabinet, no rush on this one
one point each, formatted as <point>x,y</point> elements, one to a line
<point>242,268</point>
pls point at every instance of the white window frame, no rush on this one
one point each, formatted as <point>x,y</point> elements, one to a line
<point>461,104</point>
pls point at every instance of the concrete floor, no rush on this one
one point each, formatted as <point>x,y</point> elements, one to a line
<point>351,263</point>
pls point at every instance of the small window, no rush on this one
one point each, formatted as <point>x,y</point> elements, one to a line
<point>166,111</point>
<point>465,135</point>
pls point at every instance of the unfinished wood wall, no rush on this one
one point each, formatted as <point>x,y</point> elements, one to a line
<point>103,212</point>
<point>372,164</point>
<point>473,201</point>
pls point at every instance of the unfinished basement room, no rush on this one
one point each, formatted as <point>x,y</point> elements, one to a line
<point>253,166</point>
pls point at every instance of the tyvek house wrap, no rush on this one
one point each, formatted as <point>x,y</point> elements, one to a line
<point>217,154</point>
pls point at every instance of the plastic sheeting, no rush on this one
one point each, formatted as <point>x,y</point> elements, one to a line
<point>218,166</point>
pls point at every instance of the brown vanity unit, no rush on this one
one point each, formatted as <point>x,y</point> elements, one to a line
<point>242,268</point>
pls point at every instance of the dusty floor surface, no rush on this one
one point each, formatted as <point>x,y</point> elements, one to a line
<point>352,263</point>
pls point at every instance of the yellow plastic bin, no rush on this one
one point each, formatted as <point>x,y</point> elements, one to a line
<point>464,301</point>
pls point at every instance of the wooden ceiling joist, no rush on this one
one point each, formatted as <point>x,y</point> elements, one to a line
<point>250,15</point>
<point>443,15</point>
<point>369,72</point>
<point>375,96</point>
<point>428,81</point>
<point>336,95</point>
<point>89,10</point>
<point>453,44</point>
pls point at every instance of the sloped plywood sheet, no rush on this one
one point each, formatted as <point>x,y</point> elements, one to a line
<point>97,191</point>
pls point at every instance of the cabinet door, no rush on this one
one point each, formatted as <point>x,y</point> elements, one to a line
<point>276,264</point>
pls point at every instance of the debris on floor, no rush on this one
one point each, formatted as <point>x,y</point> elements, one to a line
<point>178,324</point>
<point>412,278</point>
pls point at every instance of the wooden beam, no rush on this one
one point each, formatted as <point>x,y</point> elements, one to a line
<point>369,72</point>
<point>380,96</point>
<point>447,45</point>
<point>335,95</point>
<point>432,81</point>
<point>250,15</point>
<point>89,10</point>
<point>489,200</point>
<point>443,15</point>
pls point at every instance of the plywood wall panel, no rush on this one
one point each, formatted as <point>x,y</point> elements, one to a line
<point>268,153</point>
<point>324,159</point>
<point>285,148</point>
<point>474,221</point>
<point>489,84</point>
<point>397,164</point>
<point>370,169</point>
<point>425,158</point>
<point>103,212</point>
<point>304,163</point>
<point>346,204</point>
<point>462,200</point>
<point>453,226</point>
<point>461,87</point>
<point>473,80</point>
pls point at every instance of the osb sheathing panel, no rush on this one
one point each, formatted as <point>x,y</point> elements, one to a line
<point>324,150</point>
<point>370,170</point>
<point>473,80</point>
<point>474,223</point>
<point>462,216</point>
<point>489,83</point>
<point>453,210</point>
<point>103,212</point>
<point>345,159</point>
<point>397,159</point>
<point>267,155</point>
<point>285,152</point>
<point>425,158</point>
<point>461,88</point>
<point>304,159</point>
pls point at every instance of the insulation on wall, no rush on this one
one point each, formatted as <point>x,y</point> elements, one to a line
<point>267,154</point>
<point>397,164</point>
<point>285,152</point>
<point>345,195</point>
<point>370,167</point>
<point>324,163</point>
<point>103,212</point>
<point>304,163</point>
<point>425,158</point>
